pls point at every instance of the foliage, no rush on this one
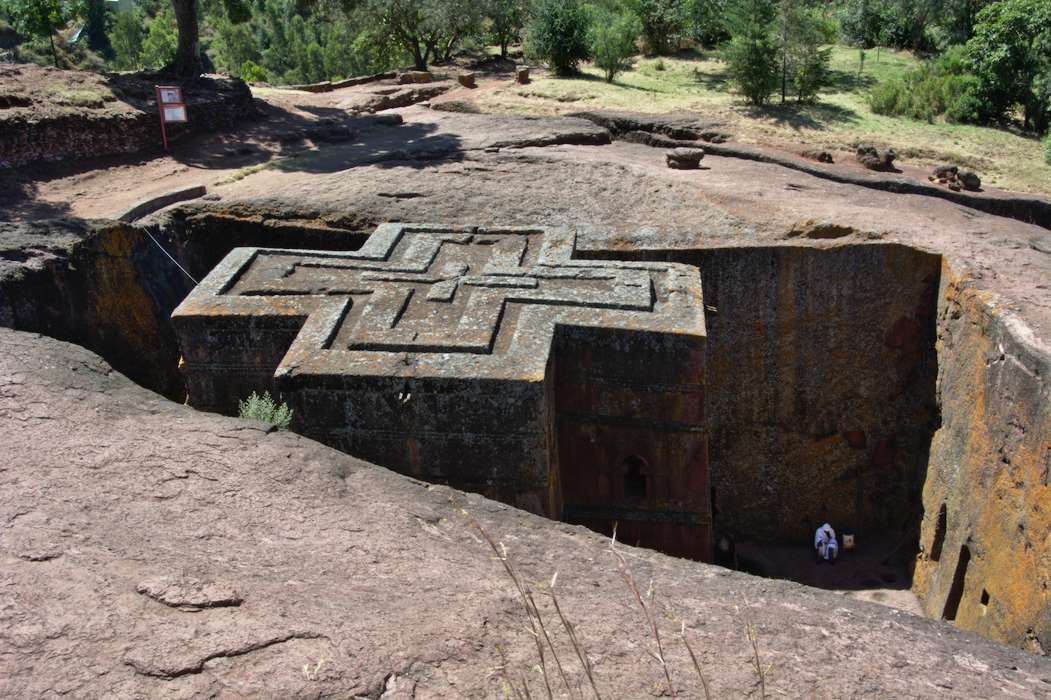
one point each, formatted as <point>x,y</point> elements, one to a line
<point>751,55</point>
<point>42,18</point>
<point>703,21</point>
<point>661,23</point>
<point>159,47</point>
<point>558,34</point>
<point>1010,53</point>
<point>426,29</point>
<point>96,25</point>
<point>252,73</point>
<point>126,37</point>
<point>801,32</point>
<point>264,408</point>
<point>936,87</point>
<point>505,21</point>
<point>864,23</point>
<point>612,37</point>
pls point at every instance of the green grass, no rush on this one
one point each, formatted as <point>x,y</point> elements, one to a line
<point>838,122</point>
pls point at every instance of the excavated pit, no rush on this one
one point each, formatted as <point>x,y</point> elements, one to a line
<point>845,383</point>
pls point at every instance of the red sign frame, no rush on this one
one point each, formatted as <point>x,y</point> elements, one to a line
<point>169,97</point>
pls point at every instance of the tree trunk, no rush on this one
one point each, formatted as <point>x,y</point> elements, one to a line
<point>419,60</point>
<point>54,51</point>
<point>188,54</point>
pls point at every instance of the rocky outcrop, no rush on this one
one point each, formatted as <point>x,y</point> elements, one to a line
<point>873,158</point>
<point>985,557</point>
<point>956,178</point>
<point>684,158</point>
<point>109,114</point>
<point>159,551</point>
<point>393,97</point>
<point>680,126</point>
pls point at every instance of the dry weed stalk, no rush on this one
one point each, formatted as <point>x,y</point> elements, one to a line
<point>696,663</point>
<point>753,638</point>
<point>571,632</point>
<point>519,695</point>
<point>629,579</point>
<point>536,622</point>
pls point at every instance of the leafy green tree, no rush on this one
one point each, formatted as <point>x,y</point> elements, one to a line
<point>662,23</point>
<point>558,34</point>
<point>42,18</point>
<point>1011,57</point>
<point>862,23</point>
<point>612,36</point>
<point>252,73</point>
<point>187,62</point>
<point>159,48</point>
<point>703,21</point>
<point>96,26</point>
<point>506,18</point>
<point>126,36</point>
<point>804,64</point>
<point>427,29</point>
<point>751,55</point>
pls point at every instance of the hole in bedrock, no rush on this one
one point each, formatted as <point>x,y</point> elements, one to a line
<point>819,395</point>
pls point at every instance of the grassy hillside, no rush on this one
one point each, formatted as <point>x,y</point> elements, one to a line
<point>842,118</point>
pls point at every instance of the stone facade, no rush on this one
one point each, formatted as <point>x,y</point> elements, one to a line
<point>487,359</point>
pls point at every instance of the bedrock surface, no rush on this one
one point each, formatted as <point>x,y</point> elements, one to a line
<point>150,550</point>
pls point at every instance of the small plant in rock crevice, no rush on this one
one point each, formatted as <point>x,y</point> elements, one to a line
<point>264,408</point>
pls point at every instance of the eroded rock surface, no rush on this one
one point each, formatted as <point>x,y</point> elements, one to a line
<point>358,582</point>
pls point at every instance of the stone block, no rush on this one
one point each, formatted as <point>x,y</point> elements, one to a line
<point>415,76</point>
<point>468,80</point>
<point>490,360</point>
<point>685,158</point>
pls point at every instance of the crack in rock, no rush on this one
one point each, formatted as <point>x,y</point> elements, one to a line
<point>189,594</point>
<point>159,666</point>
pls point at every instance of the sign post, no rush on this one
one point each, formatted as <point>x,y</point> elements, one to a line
<point>171,107</point>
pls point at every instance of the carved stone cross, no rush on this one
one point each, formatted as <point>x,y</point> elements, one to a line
<point>457,354</point>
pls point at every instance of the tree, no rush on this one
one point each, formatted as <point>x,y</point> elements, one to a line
<point>158,50</point>
<point>42,18</point>
<point>188,62</point>
<point>126,39</point>
<point>558,34</point>
<point>703,21</point>
<point>804,64</point>
<point>427,29</point>
<point>662,23</point>
<point>1011,56</point>
<point>506,18</point>
<point>612,36</point>
<point>751,54</point>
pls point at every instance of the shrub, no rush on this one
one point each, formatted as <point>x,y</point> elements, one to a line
<point>1047,149</point>
<point>252,72</point>
<point>612,37</point>
<point>751,54</point>
<point>659,65</point>
<point>558,34</point>
<point>934,88</point>
<point>264,408</point>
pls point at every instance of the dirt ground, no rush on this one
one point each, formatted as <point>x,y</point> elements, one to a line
<point>874,572</point>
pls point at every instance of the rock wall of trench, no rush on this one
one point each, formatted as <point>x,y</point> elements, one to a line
<point>108,286</point>
<point>108,289</point>
<point>821,373</point>
<point>987,497</point>
<point>821,383</point>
